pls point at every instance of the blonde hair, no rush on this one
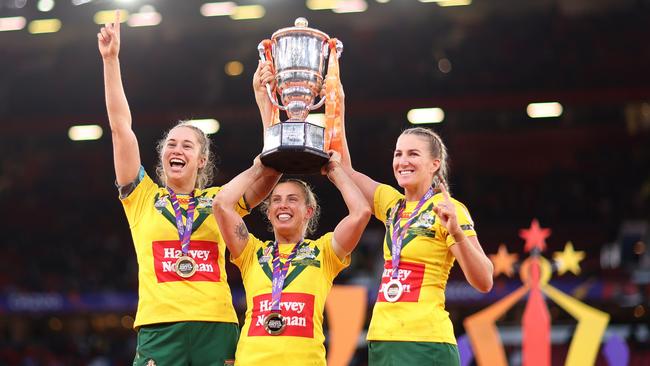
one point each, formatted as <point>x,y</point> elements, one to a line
<point>204,175</point>
<point>438,150</point>
<point>310,201</point>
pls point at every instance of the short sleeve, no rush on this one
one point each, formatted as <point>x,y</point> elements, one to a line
<point>138,199</point>
<point>384,199</point>
<point>331,262</point>
<point>464,221</point>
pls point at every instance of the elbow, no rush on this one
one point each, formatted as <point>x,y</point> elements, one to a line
<point>219,206</point>
<point>484,286</point>
<point>364,213</point>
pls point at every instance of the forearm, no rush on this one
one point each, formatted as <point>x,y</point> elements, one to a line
<point>352,196</point>
<point>258,189</point>
<point>117,106</point>
<point>476,266</point>
<point>230,194</point>
<point>348,232</point>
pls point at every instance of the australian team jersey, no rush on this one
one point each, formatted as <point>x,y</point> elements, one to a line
<point>308,281</point>
<point>164,296</point>
<point>419,315</point>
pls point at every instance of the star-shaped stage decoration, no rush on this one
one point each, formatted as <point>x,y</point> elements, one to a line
<point>503,261</point>
<point>535,236</point>
<point>568,259</point>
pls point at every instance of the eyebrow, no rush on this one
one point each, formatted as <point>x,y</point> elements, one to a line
<point>183,141</point>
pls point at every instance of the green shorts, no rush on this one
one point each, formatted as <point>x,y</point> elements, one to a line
<point>186,343</point>
<point>382,353</point>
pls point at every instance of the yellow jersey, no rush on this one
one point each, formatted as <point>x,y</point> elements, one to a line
<point>164,296</point>
<point>307,283</point>
<point>419,315</point>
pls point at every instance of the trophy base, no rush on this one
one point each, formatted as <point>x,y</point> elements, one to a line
<point>294,147</point>
<point>295,159</point>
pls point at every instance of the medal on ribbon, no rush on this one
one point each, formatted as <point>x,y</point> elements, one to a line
<point>274,323</point>
<point>394,288</point>
<point>185,265</point>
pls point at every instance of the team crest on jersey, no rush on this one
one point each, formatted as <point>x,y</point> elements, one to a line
<point>266,256</point>
<point>161,203</point>
<point>203,202</point>
<point>305,252</point>
<point>427,219</point>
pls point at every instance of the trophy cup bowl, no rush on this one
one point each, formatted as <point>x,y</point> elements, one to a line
<point>298,55</point>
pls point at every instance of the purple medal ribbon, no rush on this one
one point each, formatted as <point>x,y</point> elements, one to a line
<point>279,274</point>
<point>398,231</point>
<point>184,232</point>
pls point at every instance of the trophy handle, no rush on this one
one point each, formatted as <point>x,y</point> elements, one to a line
<point>317,105</point>
<point>263,48</point>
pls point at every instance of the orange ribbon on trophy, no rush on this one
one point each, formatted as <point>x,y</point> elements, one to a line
<point>333,102</point>
<point>275,116</point>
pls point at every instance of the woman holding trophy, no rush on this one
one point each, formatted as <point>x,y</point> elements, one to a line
<point>183,289</point>
<point>427,231</point>
<point>287,279</point>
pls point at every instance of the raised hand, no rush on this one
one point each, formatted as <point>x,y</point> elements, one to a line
<point>335,160</point>
<point>263,75</point>
<point>108,38</point>
<point>446,211</point>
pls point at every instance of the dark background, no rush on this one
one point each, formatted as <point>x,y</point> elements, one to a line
<point>585,174</point>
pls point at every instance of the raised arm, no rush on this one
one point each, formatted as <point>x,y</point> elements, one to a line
<point>262,76</point>
<point>126,154</point>
<point>366,184</point>
<point>348,232</point>
<point>232,227</point>
<point>261,188</point>
<point>476,266</point>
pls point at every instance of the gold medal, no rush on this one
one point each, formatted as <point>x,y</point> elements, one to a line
<point>185,266</point>
<point>274,324</point>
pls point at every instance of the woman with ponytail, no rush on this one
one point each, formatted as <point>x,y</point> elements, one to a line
<point>426,232</point>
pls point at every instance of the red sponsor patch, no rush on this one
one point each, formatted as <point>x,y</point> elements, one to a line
<point>410,275</point>
<point>296,308</point>
<point>204,253</point>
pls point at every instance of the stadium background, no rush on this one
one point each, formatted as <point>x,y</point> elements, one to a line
<point>68,274</point>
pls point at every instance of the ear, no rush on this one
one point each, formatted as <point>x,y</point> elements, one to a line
<point>435,166</point>
<point>310,213</point>
<point>202,162</point>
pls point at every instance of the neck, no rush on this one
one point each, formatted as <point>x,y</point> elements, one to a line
<point>181,187</point>
<point>416,193</point>
<point>288,238</point>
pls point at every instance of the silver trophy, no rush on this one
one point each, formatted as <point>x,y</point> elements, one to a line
<point>298,54</point>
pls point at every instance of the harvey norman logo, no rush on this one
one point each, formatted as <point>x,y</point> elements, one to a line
<point>296,308</point>
<point>204,253</point>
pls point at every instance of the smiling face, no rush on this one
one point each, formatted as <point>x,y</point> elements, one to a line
<point>181,158</point>
<point>413,165</point>
<point>288,210</point>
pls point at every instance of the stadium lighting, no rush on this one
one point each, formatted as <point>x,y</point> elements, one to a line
<point>425,115</point>
<point>45,5</point>
<point>351,6</point>
<point>248,12</point>
<point>218,9</point>
<point>144,19</point>
<point>44,26</point>
<point>454,2</point>
<point>108,16</point>
<point>544,110</point>
<point>12,24</point>
<point>85,132</point>
<point>208,125</point>
<point>234,68</point>
<point>322,4</point>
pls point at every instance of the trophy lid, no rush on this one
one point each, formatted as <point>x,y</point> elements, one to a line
<point>300,26</point>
